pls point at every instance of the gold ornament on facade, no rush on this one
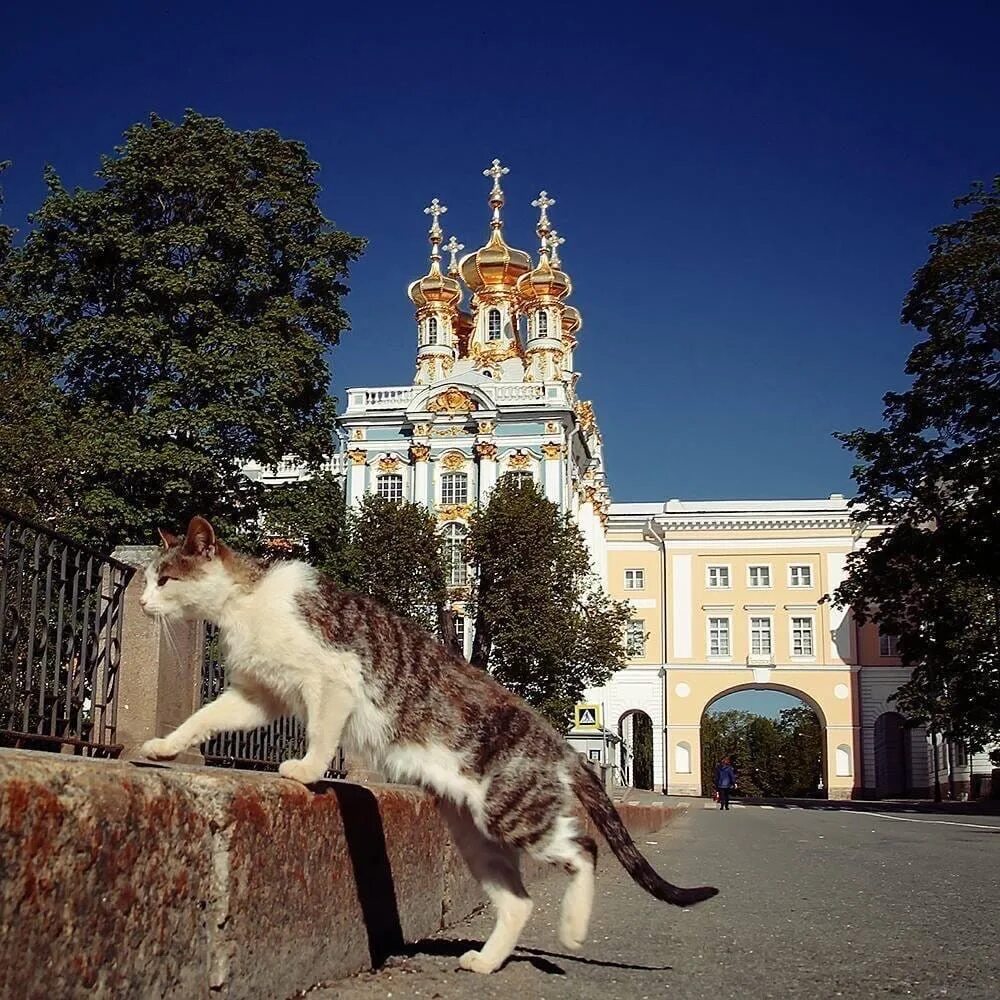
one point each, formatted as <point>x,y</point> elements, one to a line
<point>420,452</point>
<point>454,461</point>
<point>358,456</point>
<point>486,450</point>
<point>486,426</point>
<point>552,450</point>
<point>449,432</point>
<point>493,354</point>
<point>421,430</point>
<point>453,511</point>
<point>358,434</point>
<point>389,464</point>
<point>452,401</point>
<point>551,427</point>
<point>585,414</point>
<point>519,460</point>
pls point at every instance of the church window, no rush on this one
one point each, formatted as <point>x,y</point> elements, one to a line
<point>390,486</point>
<point>453,549</point>
<point>541,323</point>
<point>454,488</point>
<point>493,324</point>
<point>432,330</point>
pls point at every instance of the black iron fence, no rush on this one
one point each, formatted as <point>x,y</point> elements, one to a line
<point>60,641</point>
<point>261,749</point>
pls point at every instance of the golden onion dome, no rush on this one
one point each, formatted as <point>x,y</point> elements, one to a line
<point>435,287</point>
<point>572,321</point>
<point>495,265</point>
<point>463,332</point>
<point>546,280</point>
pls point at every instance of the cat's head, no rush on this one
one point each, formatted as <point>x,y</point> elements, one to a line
<point>190,577</point>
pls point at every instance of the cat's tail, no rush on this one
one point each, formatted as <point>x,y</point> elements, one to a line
<point>588,789</point>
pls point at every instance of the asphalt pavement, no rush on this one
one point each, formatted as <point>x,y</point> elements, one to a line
<point>816,903</point>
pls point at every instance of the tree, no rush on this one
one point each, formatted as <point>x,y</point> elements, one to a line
<point>34,457</point>
<point>308,520</point>
<point>931,474</point>
<point>544,627</point>
<point>186,306</point>
<point>393,554</point>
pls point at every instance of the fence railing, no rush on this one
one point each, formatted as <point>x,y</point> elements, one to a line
<point>261,749</point>
<point>60,641</point>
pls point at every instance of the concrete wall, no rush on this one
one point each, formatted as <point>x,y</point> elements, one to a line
<point>121,880</point>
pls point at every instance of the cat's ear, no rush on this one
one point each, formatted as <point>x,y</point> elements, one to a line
<point>168,540</point>
<point>200,539</point>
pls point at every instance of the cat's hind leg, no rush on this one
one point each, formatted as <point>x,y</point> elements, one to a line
<point>497,870</point>
<point>577,854</point>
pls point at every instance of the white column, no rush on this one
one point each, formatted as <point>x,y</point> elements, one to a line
<point>419,453</point>
<point>486,452</point>
<point>358,473</point>
<point>552,470</point>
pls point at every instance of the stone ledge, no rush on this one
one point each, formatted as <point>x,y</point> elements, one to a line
<point>185,882</point>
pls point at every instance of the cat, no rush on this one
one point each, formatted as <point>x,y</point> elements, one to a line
<point>389,692</point>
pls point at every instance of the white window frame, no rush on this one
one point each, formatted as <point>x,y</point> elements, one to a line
<point>729,637</point>
<point>635,579</point>
<point>759,586</point>
<point>450,494</point>
<point>541,323</point>
<point>490,334</point>
<point>631,637</point>
<point>521,476</point>
<point>891,647</point>
<point>791,576</point>
<point>792,619</point>
<point>770,635</point>
<point>458,571</point>
<point>394,478</point>
<point>715,586</point>
<point>432,331</point>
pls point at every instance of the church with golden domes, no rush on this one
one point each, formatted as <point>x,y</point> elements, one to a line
<point>494,390</point>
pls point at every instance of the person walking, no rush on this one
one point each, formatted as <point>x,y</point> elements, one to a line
<point>725,781</point>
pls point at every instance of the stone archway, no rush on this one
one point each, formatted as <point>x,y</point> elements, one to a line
<point>782,756</point>
<point>635,728</point>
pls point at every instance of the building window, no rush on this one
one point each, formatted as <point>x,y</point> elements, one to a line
<point>432,331</point>
<point>453,550</point>
<point>959,755</point>
<point>800,576</point>
<point>519,478</point>
<point>493,324</point>
<point>635,579</point>
<point>635,638</point>
<point>718,637</point>
<point>760,636</point>
<point>759,576</point>
<point>802,637</point>
<point>541,323</point>
<point>888,645</point>
<point>390,486</point>
<point>454,488</point>
<point>718,577</point>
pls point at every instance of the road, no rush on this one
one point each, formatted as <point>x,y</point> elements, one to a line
<point>813,904</point>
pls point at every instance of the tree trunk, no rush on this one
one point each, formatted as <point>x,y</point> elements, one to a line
<point>446,628</point>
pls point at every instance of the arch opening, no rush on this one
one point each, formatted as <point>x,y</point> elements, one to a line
<point>775,737</point>
<point>635,728</point>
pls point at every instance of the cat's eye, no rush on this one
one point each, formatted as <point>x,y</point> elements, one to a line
<point>162,582</point>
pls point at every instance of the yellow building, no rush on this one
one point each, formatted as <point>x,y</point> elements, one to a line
<point>733,595</point>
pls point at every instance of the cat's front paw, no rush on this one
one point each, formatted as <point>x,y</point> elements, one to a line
<point>301,770</point>
<point>474,962</point>
<point>158,749</point>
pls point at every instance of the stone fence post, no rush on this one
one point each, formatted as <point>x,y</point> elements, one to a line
<point>159,682</point>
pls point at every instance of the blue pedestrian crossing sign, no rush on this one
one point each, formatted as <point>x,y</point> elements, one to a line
<point>587,716</point>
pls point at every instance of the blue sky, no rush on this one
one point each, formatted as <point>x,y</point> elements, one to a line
<point>745,189</point>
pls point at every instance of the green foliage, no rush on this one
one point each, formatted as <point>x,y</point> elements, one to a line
<point>185,308</point>
<point>544,627</point>
<point>308,520</point>
<point>932,473</point>
<point>779,758</point>
<point>393,554</point>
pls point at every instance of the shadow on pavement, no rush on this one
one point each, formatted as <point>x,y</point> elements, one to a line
<point>987,808</point>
